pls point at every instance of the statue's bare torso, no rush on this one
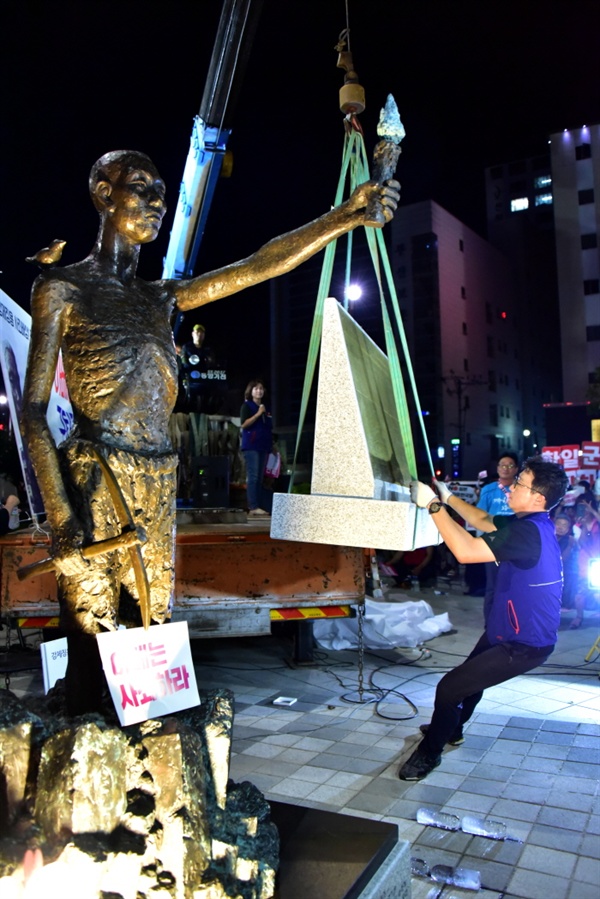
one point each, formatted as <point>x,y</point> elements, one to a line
<point>119,357</point>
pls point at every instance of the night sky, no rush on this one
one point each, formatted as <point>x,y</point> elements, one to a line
<point>476,83</point>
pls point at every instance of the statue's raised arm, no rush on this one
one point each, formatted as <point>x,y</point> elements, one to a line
<point>284,253</point>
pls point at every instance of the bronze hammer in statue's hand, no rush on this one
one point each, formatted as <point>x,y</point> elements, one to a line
<point>129,536</point>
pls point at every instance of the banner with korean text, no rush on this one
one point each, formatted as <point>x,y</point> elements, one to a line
<point>149,672</point>
<point>578,461</point>
<point>15,329</point>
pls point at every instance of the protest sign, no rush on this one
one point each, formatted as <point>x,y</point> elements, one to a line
<point>149,672</point>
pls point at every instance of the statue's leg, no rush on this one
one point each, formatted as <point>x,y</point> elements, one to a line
<point>88,602</point>
<point>88,607</point>
<point>151,494</point>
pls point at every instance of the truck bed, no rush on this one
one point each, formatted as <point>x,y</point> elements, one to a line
<point>230,579</point>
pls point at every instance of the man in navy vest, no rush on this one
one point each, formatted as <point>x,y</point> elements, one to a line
<point>522,626</point>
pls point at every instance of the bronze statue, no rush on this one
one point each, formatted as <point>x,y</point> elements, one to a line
<point>121,370</point>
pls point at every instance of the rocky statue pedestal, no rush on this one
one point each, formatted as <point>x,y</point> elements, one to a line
<point>91,810</point>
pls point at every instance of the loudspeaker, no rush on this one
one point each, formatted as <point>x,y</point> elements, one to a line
<point>210,483</point>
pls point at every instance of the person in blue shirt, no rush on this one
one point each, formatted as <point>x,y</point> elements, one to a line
<point>493,499</point>
<point>522,627</point>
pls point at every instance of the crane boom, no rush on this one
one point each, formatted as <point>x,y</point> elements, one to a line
<point>210,133</point>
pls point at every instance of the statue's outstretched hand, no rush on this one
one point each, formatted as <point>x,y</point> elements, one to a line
<point>387,196</point>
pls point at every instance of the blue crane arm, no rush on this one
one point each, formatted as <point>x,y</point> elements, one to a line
<point>210,134</point>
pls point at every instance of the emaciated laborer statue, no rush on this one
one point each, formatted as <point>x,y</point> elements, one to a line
<point>121,370</point>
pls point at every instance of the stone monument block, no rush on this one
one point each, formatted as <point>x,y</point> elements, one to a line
<point>360,475</point>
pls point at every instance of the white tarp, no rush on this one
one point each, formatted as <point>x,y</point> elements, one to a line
<point>386,625</point>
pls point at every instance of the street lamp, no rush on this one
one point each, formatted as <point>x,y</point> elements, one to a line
<point>352,293</point>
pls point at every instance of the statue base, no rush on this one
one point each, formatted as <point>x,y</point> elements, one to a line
<point>89,809</point>
<point>336,856</point>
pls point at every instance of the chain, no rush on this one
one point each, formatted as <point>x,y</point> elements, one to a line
<point>361,649</point>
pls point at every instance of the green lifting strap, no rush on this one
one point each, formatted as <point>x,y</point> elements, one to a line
<point>355,163</point>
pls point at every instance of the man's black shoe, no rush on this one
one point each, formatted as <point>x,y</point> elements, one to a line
<point>419,765</point>
<point>455,740</point>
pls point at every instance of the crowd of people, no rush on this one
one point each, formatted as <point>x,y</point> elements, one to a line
<point>577,527</point>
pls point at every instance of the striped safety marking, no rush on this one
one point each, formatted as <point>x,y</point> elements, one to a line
<point>311,612</point>
<point>37,622</point>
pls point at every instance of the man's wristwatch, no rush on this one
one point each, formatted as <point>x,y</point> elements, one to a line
<point>434,507</point>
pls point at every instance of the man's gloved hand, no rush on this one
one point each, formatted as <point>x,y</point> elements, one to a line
<point>421,494</point>
<point>443,490</point>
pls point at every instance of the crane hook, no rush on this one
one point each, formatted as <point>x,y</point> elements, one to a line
<point>352,93</point>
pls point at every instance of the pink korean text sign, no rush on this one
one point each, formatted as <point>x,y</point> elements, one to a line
<point>149,672</point>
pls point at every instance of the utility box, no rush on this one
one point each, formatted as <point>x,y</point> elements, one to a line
<point>210,482</point>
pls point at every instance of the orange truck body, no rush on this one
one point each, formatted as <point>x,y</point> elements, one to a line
<point>230,580</point>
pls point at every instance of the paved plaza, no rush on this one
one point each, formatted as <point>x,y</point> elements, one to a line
<point>531,756</point>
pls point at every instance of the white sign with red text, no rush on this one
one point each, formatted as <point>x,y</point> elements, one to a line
<point>149,672</point>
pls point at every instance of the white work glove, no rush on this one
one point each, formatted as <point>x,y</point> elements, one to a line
<point>443,490</point>
<point>421,494</point>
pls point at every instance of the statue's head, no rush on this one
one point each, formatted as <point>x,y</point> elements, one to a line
<point>127,190</point>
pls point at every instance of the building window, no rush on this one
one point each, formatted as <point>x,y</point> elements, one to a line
<point>589,241</point>
<point>592,332</point>
<point>501,411</point>
<point>543,200</point>
<point>585,196</point>
<point>543,181</point>
<point>465,365</point>
<point>461,246</point>
<point>463,293</point>
<point>492,380</point>
<point>494,415</point>
<point>490,346</point>
<point>591,286</point>
<point>507,412</point>
<point>519,205</point>
<point>583,151</point>
<point>488,313</point>
<point>464,328</point>
<point>467,403</point>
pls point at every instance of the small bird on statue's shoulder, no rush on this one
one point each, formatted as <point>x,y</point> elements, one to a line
<point>48,256</point>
